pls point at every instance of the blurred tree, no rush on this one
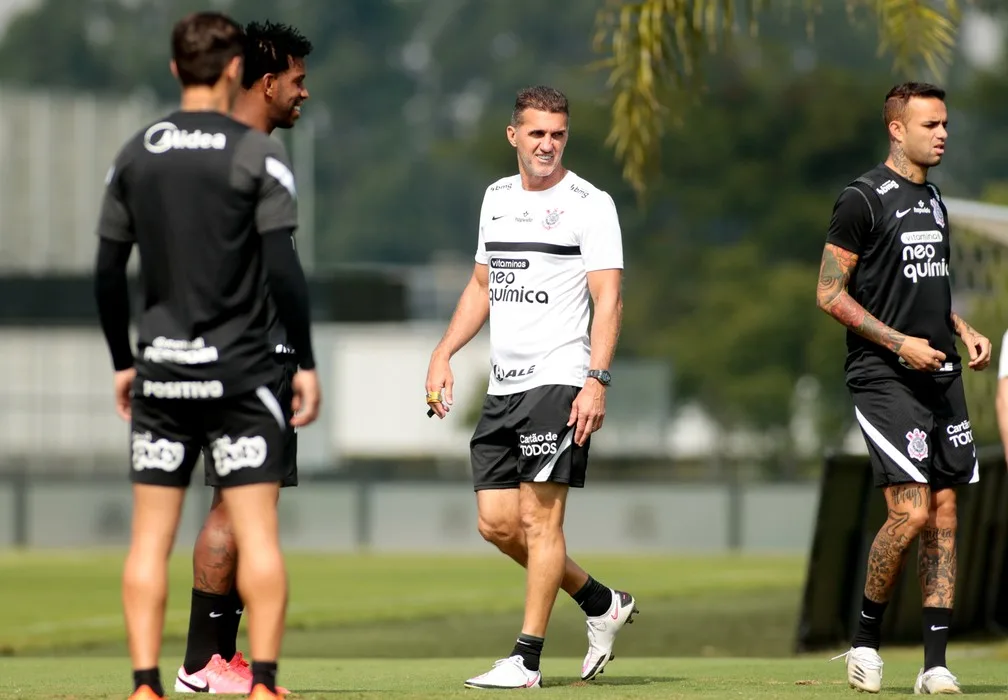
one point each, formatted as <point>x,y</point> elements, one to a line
<point>655,53</point>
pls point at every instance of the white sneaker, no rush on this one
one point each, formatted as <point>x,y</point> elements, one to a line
<point>602,633</point>
<point>864,668</point>
<point>507,673</point>
<point>936,681</point>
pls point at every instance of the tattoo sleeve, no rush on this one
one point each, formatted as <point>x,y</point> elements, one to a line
<point>831,295</point>
<point>962,328</point>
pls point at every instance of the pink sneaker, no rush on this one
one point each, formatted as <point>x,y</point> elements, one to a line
<point>240,666</point>
<point>217,677</point>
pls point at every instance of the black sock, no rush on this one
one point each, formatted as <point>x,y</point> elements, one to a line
<point>227,642</point>
<point>264,673</point>
<point>150,677</point>
<point>206,614</point>
<point>936,633</point>
<point>594,598</point>
<point>530,649</point>
<point>869,630</point>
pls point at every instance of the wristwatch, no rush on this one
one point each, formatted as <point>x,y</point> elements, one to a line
<point>602,375</point>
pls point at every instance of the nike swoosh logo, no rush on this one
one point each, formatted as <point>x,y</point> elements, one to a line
<point>494,218</point>
<point>216,615</point>
<point>239,611</point>
<point>615,613</point>
<point>901,214</point>
<point>935,628</point>
<point>195,687</point>
<point>867,617</point>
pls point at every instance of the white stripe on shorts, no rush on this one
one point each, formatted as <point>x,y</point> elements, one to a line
<point>272,405</point>
<point>891,450</point>
<point>565,443</point>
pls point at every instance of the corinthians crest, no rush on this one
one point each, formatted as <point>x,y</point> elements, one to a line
<point>552,218</point>
<point>937,211</point>
<point>917,444</point>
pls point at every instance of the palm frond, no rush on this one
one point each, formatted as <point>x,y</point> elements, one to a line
<point>654,49</point>
<point>915,31</point>
<point>654,52</point>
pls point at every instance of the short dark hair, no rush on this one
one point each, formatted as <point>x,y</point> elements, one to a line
<point>542,98</point>
<point>203,44</point>
<point>269,48</point>
<point>896,100</point>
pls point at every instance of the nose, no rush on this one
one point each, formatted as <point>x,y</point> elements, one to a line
<point>546,145</point>
<point>304,94</point>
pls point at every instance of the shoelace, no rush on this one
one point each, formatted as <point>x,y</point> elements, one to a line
<point>873,663</point>
<point>239,661</point>
<point>222,668</point>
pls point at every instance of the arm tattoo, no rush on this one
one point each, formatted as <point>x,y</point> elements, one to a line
<point>962,328</point>
<point>834,274</point>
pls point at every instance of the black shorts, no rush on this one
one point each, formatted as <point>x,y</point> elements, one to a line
<point>917,429</point>
<point>283,390</point>
<point>524,437</point>
<point>245,434</point>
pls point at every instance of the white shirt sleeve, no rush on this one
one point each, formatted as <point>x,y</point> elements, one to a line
<point>481,256</point>
<point>1003,362</point>
<point>601,238</point>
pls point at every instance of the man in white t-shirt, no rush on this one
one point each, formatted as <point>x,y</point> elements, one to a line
<point>1002,394</point>
<point>548,241</point>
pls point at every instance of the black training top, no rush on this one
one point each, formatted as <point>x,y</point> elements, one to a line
<point>899,231</point>
<point>195,191</point>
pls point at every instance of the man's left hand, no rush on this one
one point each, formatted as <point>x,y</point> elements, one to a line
<point>587,411</point>
<point>122,388</point>
<point>979,349</point>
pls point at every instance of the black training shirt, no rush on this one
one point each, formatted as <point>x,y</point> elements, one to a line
<point>899,231</point>
<point>195,191</point>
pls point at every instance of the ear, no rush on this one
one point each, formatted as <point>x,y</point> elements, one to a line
<point>174,68</point>
<point>269,83</point>
<point>512,135</point>
<point>897,131</point>
<point>235,68</point>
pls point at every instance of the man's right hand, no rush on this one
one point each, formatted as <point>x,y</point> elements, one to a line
<point>918,354</point>
<point>440,380</point>
<point>307,397</point>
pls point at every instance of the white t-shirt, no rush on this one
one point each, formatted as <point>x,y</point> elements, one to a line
<point>1003,360</point>
<point>539,247</point>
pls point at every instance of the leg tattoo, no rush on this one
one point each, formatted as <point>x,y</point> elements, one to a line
<point>215,559</point>
<point>908,512</point>
<point>936,566</point>
<point>887,556</point>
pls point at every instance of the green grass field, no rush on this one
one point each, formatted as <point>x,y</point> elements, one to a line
<point>416,626</point>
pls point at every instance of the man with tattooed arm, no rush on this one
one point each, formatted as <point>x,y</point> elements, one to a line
<point>885,276</point>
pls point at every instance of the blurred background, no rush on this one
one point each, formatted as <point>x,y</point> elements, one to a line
<point>728,387</point>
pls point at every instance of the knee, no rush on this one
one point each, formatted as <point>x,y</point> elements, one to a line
<point>537,523</point>
<point>917,519</point>
<point>499,532</point>
<point>943,514</point>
